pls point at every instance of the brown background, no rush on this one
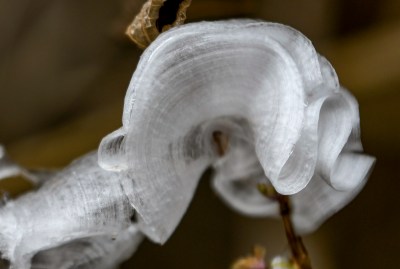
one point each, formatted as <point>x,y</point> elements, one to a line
<point>64,69</point>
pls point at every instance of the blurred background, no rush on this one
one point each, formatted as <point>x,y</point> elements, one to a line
<point>64,69</point>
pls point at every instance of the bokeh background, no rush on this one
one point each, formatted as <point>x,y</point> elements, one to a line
<point>64,69</point>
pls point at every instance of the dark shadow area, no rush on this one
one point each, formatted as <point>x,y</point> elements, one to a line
<point>167,14</point>
<point>4,264</point>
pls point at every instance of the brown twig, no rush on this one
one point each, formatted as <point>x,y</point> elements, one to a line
<point>221,142</point>
<point>299,253</point>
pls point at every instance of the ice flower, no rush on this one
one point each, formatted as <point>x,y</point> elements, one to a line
<point>239,173</point>
<point>263,86</point>
<point>79,216</point>
<point>252,99</point>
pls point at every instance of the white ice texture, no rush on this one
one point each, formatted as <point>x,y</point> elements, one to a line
<point>288,121</point>
<point>79,217</point>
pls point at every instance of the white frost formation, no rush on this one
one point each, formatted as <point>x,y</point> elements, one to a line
<point>288,121</point>
<point>266,88</point>
<point>78,218</point>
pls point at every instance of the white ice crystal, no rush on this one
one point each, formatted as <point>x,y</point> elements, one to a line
<point>262,85</point>
<point>82,206</point>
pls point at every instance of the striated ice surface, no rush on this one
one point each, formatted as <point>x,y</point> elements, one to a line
<point>261,85</point>
<point>99,252</point>
<point>264,87</point>
<point>82,205</point>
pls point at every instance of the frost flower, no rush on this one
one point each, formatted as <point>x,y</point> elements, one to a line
<point>264,87</point>
<point>79,216</point>
<point>252,99</point>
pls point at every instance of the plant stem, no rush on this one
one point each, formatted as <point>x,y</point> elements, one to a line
<point>299,253</point>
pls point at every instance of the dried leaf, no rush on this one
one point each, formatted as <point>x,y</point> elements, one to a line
<point>147,24</point>
<point>254,261</point>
